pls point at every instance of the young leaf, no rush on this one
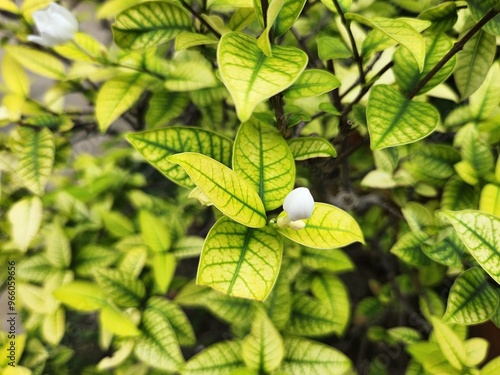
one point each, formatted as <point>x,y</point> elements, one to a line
<point>219,359</point>
<point>333,293</point>
<point>450,344</point>
<point>225,189</point>
<point>480,233</point>
<point>394,120</point>
<point>304,356</point>
<point>471,300</point>
<point>490,199</point>
<point>187,40</point>
<point>327,228</point>
<point>312,82</point>
<point>263,348</point>
<point>287,16</point>
<point>81,295</point>
<point>157,145</point>
<point>268,165</point>
<point>150,24</point>
<point>25,217</point>
<point>476,350</point>
<point>154,232</point>
<point>117,322</point>
<point>240,261</point>
<point>311,147</point>
<point>252,77</point>
<point>36,158</point>
<point>164,265</point>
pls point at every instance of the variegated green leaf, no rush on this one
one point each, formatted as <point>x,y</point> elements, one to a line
<point>158,345</point>
<point>480,233</point>
<point>267,165</point>
<point>327,228</point>
<point>484,101</point>
<point>476,153</point>
<point>330,290</point>
<point>156,145</point>
<point>188,247</point>
<point>442,16</point>
<point>165,106</point>
<point>458,195</point>
<point>123,288</point>
<point>407,71</point>
<point>432,163</point>
<point>38,62</point>
<point>287,16</point>
<point>311,147</point>
<point>252,77</point>
<point>344,5</point>
<point>224,188</point>
<point>36,158</point>
<point>240,261</point>
<point>312,82</point>
<point>58,248</point>
<point>219,359</point>
<point>304,356</point>
<point>25,217</point>
<point>398,30</point>
<point>263,348</point>
<point>333,260</point>
<point>311,317</point>
<point>279,302</point>
<point>448,251</point>
<point>471,300</point>
<point>479,8</point>
<point>450,344</point>
<point>150,24</point>
<point>394,120</point>
<point>408,249</point>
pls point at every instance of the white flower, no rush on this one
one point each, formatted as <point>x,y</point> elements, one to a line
<point>56,25</point>
<point>298,205</point>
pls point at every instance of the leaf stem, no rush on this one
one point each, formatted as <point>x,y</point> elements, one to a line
<point>201,19</point>
<point>347,25</point>
<point>457,47</point>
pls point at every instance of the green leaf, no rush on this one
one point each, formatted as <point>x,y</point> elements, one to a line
<point>471,300</point>
<point>311,317</point>
<point>219,359</point>
<point>287,16</point>
<point>25,217</point>
<point>473,63</point>
<point>123,288</point>
<point>264,41</point>
<point>344,5</point>
<point>483,102</point>
<point>490,199</point>
<point>36,158</point>
<point>448,251</point>
<point>38,62</point>
<point>334,260</point>
<point>157,145</point>
<point>268,165</point>
<point>150,24</point>
<point>442,16</point>
<point>312,147</point>
<point>475,152</point>
<point>81,295</point>
<point>263,348</point>
<point>480,233</point>
<point>450,344</point>
<point>164,265</point>
<point>394,120</point>
<point>312,82</point>
<point>333,293</point>
<point>432,163</point>
<point>158,345</point>
<point>117,224</point>
<point>165,106</point>
<point>53,327</point>
<point>408,249</point>
<point>458,195</point>
<point>327,228</point>
<point>187,40</point>
<point>332,48</point>
<point>85,48</point>
<point>58,247</point>
<point>252,77</point>
<point>240,261</point>
<point>492,367</point>
<point>479,8</point>
<point>88,258</point>
<point>279,302</point>
<point>190,71</point>
<point>405,335</point>
<point>407,71</point>
<point>224,188</point>
<point>154,231</point>
<point>35,268</point>
<point>476,349</point>
<point>304,356</point>
<point>398,30</point>
<point>188,247</point>
<point>417,216</point>
<point>116,96</point>
<point>115,321</point>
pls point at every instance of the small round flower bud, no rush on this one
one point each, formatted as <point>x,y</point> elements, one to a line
<point>56,25</point>
<point>299,204</point>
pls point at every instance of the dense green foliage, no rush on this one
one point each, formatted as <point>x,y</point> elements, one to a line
<point>142,229</point>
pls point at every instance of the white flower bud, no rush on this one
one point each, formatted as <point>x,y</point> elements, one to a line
<point>299,204</point>
<point>56,25</point>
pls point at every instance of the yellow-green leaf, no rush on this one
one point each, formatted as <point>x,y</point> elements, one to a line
<point>394,120</point>
<point>327,228</point>
<point>116,96</point>
<point>224,188</point>
<point>240,261</point>
<point>479,8</point>
<point>476,350</point>
<point>480,233</point>
<point>489,201</point>
<point>81,295</point>
<point>25,217</point>
<point>115,321</point>
<point>312,82</point>
<point>400,31</point>
<point>165,106</point>
<point>287,16</point>
<point>164,268</point>
<point>58,248</point>
<point>85,48</point>
<point>252,77</point>
<point>218,359</point>
<point>304,356</point>
<point>267,165</point>
<point>9,6</point>
<point>471,300</point>
<point>442,16</point>
<point>190,71</point>
<point>155,232</point>
<point>38,62</point>
<point>157,145</point>
<point>54,326</point>
<point>311,147</point>
<point>263,348</point>
<point>311,317</point>
<point>36,158</point>
<point>344,5</point>
<point>408,249</point>
<point>484,101</point>
<point>188,39</point>
<point>14,76</point>
<point>150,24</point>
<point>450,344</point>
<point>123,288</point>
